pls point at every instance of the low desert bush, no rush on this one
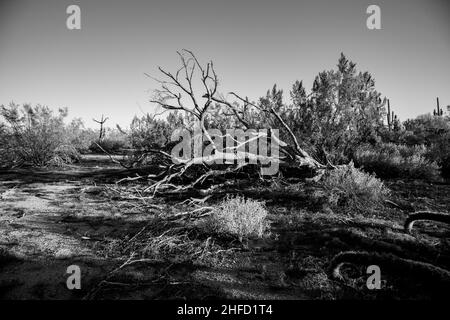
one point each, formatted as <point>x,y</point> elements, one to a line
<point>439,151</point>
<point>80,137</point>
<point>112,146</point>
<point>64,154</point>
<point>114,142</point>
<point>240,217</point>
<point>390,160</point>
<point>351,189</point>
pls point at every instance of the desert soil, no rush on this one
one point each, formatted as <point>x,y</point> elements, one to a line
<point>53,218</point>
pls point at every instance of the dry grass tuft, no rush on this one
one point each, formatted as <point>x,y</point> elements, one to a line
<point>351,189</point>
<point>240,217</point>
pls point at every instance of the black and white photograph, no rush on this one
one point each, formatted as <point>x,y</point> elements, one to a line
<point>206,151</point>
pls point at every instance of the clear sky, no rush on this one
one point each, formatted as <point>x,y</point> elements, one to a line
<point>254,44</point>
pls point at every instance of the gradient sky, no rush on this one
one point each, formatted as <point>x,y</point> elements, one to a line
<point>254,44</point>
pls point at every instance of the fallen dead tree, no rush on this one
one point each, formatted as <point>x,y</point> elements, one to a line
<point>177,93</point>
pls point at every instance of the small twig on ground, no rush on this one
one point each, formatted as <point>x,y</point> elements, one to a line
<point>195,201</point>
<point>106,281</point>
<point>191,213</point>
<point>393,203</point>
<point>129,179</point>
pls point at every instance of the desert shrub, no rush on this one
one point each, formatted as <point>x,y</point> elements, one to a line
<point>112,146</point>
<point>391,160</point>
<point>150,133</point>
<point>439,151</point>
<point>434,132</point>
<point>80,137</point>
<point>240,217</point>
<point>426,129</point>
<point>114,142</point>
<point>32,135</point>
<point>7,158</point>
<point>351,189</point>
<point>64,154</point>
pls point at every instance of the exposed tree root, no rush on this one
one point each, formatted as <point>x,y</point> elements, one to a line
<point>423,216</point>
<point>420,270</point>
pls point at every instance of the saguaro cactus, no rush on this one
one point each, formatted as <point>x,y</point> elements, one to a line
<point>389,116</point>
<point>392,119</point>
<point>438,111</point>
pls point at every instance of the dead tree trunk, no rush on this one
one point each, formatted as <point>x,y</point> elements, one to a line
<point>101,122</point>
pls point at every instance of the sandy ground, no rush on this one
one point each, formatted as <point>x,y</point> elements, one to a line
<point>51,219</point>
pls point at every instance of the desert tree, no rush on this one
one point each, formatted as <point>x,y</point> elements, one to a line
<point>342,111</point>
<point>194,90</point>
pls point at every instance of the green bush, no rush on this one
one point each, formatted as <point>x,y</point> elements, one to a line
<point>390,160</point>
<point>240,217</point>
<point>351,189</point>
